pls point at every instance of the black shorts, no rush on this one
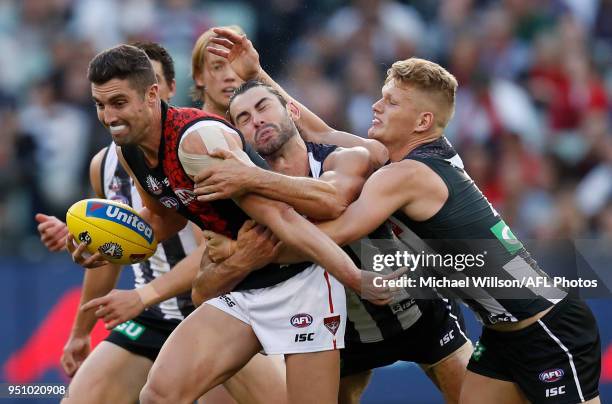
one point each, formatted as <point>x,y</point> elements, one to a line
<point>142,336</point>
<point>439,332</point>
<point>557,359</point>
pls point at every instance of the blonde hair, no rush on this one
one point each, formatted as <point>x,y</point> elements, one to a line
<point>198,58</point>
<point>429,77</point>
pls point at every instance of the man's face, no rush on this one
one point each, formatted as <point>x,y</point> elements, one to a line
<point>124,111</point>
<point>219,81</point>
<point>396,114</point>
<point>263,120</point>
<point>166,90</point>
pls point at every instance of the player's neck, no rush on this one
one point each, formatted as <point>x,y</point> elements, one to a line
<point>213,108</point>
<point>399,150</point>
<point>291,159</point>
<point>152,139</point>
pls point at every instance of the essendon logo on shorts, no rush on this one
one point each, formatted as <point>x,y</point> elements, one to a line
<point>301,320</point>
<point>332,323</point>
<point>551,375</point>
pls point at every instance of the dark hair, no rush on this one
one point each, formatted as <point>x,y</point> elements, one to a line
<point>158,53</point>
<point>122,62</point>
<point>247,85</point>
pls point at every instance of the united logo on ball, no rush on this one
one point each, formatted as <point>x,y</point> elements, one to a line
<point>112,228</point>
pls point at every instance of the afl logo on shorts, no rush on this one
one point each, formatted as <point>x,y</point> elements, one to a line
<point>301,320</point>
<point>551,376</point>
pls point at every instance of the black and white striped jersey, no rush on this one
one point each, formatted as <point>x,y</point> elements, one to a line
<point>118,186</point>
<point>468,224</point>
<point>367,322</point>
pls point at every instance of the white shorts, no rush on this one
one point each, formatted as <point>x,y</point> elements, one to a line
<point>306,313</point>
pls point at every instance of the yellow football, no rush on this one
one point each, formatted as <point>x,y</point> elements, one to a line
<point>114,229</point>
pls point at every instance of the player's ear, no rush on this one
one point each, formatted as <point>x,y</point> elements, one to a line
<point>152,94</point>
<point>294,111</point>
<point>172,87</point>
<point>425,122</point>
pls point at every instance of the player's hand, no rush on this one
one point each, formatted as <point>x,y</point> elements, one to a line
<point>223,181</point>
<point>218,246</point>
<point>375,290</point>
<point>75,352</point>
<point>257,245</point>
<point>81,256</point>
<point>53,232</point>
<point>116,307</point>
<point>239,51</point>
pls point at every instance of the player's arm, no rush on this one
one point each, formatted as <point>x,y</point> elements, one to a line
<point>289,226</point>
<point>345,171</point>
<point>165,222</point>
<point>244,59</point>
<point>116,306</point>
<point>78,251</point>
<point>255,247</point>
<point>316,130</point>
<point>386,191</point>
<point>96,282</point>
<point>119,306</point>
<point>389,189</point>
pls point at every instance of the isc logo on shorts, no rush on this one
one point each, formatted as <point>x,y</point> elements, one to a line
<point>301,320</point>
<point>304,337</point>
<point>555,391</point>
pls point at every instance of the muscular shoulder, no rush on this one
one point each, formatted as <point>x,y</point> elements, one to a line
<point>204,136</point>
<point>349,160</point>
<point>413,177</point>
<point>97,159</point>
<point>95,172</point>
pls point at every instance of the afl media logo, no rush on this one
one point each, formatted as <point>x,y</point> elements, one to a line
<point>301,320</point>
<point>551,375</point>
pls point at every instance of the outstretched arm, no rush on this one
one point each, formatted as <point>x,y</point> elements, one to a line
<point>386,191</point>
<point>119,306</point>
<point>244,59</point>
<point>345,171</point>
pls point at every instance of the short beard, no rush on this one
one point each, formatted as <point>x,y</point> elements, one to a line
<point>286,130</point>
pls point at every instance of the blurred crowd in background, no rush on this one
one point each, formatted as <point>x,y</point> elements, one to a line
<point>532,119</point>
